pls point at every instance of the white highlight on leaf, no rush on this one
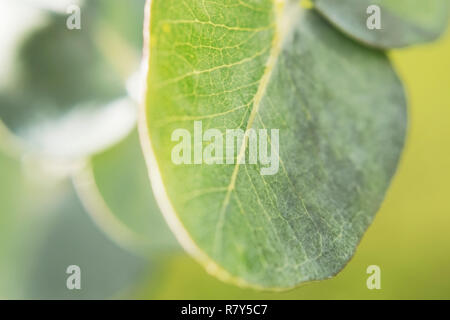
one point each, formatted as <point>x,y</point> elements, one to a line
<point>84,130</point>
<point>59,6</point>
<point>17,20</point>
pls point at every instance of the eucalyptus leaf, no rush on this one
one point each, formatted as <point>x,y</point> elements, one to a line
<point>116,189</point>
<point>402,22</point>
<point>66,93</point>
<point>341,114</point>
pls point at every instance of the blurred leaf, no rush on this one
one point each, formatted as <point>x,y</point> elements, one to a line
<point>341,112</point>
<point>43,230</point>
<point>67,96</point>
<point>11,206</point>
<point>125,17</point>
<point>403,22</point>
<point>116,188</point>
<point>107,271</point>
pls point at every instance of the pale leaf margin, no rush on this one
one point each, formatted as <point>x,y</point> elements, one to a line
<point>89,194</point>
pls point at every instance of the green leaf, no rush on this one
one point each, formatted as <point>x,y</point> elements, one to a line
<point>341,114</point>
<point>403,22</point>
<point>116,189</point>
<point>66,93</point>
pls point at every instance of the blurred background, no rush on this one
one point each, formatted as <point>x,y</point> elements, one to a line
<point>74,187</point>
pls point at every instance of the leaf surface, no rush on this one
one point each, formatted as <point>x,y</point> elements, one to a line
<point>403,22</point>
<point>341,114</point>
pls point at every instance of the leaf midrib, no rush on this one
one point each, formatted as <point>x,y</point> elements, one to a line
<point>286,13</point>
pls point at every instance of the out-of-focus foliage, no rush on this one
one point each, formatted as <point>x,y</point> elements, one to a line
<point>43,230</point>
<point>73,239</point>
<point>402,22</point>
<point>66,95</point>
<point>12,205</point>
<point>116,187</point>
